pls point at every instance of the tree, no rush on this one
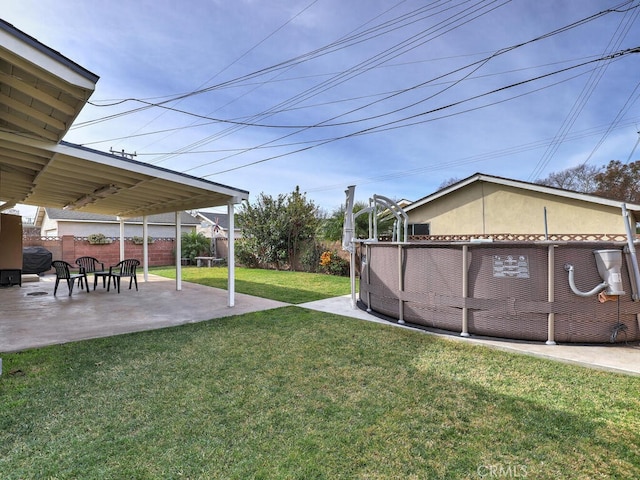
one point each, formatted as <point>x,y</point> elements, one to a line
<point>332,227</point>
<point>620,181</point>
<point>449,181</point>
<point>581,178</point>
<point>276,229</point>
<point>617,181</point>
<point>301,225</point>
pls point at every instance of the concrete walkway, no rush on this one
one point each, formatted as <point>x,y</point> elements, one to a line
<point>31,317</point>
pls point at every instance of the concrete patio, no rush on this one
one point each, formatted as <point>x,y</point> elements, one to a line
<point>31,316</point>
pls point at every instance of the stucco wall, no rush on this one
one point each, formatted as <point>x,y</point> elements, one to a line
<point>83,229</point>
<point>49,228</point>
<point>488,208</point>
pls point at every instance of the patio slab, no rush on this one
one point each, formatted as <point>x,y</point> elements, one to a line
<point>31,316</point>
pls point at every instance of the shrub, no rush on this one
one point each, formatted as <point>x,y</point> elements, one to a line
<point>140,240</point>
<point>99,239</point>
<point>334,264</point>
<point>310,257</point>
<point>194,245</point>
<point>245,253</point>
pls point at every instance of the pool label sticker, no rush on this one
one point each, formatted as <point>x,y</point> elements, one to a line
<point>510,266</point>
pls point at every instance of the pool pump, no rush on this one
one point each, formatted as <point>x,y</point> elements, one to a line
<point>609,263</point>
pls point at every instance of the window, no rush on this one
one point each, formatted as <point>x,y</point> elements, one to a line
<point>419,229</point>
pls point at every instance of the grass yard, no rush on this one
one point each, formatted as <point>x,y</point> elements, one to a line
<point>297,394</point>
<point>284,286</point>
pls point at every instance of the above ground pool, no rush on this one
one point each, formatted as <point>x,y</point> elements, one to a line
<point>515,290</point>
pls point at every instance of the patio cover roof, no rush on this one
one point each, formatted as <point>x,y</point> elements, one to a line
<point>41,93</point>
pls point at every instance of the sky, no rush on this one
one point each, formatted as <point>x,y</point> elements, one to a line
<point>395,97</point>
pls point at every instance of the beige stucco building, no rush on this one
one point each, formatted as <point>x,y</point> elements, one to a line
<point>487,205</point>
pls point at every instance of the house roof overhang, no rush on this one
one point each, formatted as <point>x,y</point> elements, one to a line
<point>41,93</point>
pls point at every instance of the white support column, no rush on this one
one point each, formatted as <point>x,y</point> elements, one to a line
<point>121,238</point>
<point>145,248</point>
<point>231,279</point>
<point>178,252</point>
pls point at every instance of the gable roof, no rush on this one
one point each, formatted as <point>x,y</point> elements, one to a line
<point>62,215</point>
<point>532,187</point>
<point>41,93</point>
<point>220,219</point>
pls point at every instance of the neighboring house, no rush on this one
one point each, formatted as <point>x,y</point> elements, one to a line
<point>486,205</point>
<point>215,225</point>
<point>404,203</point>
<point>56,222</point>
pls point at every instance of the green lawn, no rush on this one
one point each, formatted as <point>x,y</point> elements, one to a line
<point>284,286</point>
<point>292,393</point>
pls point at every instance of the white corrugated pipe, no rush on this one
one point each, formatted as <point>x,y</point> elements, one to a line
<point>569,268</point>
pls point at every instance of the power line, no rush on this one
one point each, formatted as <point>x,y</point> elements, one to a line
<point>534,145</point>
<point>477,158</point>
<point>634,148</point>
<point>245,120</point>
<point>295,102</point>
<point>255,46</point>
<point>359,68</point>
<point>325,124</point>
<point>329,48</point>
<point>401,122</point>
<point>584,95</point>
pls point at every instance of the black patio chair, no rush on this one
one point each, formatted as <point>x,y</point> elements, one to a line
<point>92,265</point>
<point>126,268</point>
<point>63,272</point>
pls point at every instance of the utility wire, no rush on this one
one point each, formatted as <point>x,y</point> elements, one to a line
<point>310,92</point>
<point>324,124</point>
<point>518,149</point>
<point>330,48</point>
<point>395,123</point>
<point>369,32</point>
<point>621,113</point>
<point>634,148</point>
<point>293,101</point>
<point>585,94</point>
<point>246,120</point>
<point>254,47</point>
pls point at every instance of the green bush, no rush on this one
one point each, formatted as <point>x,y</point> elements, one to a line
<point>245,253</point>
<point>140,240</point>
<point>195,245</point>
<point>310,257</point>
<point>334,264</point>
<point>99,239</point>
